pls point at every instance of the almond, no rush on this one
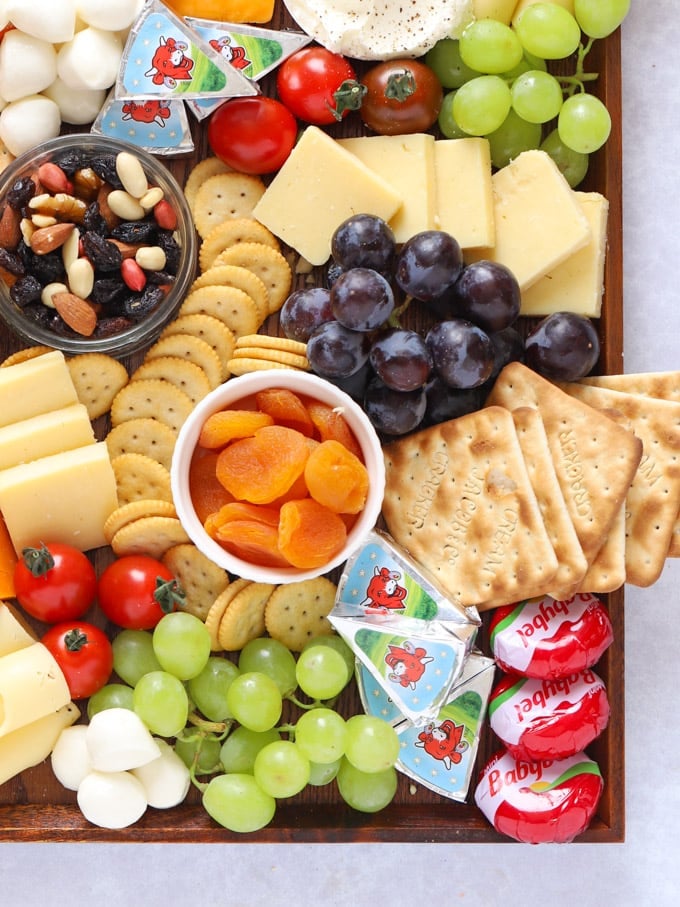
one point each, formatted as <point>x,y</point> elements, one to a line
<point>46,239</point>
<point>127,250</point>
<point>78,314</point>
<point>10,231</point>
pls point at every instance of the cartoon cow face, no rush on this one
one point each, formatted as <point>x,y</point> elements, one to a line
<point>384,592</point>
<point>170,64</point>
<point>408,664</point>
<point>443,742</point>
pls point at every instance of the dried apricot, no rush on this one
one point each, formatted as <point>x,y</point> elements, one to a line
<point>229,424</point>
<point>252,541</point>
<point>207,493</point>
<point>285,408</point>
<point>332,426</point>
<point>263,468</point>
<point>336,478</point>
<point>310,535</point>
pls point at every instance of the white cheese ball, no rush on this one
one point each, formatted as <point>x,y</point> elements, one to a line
<point>107,15</point>
<point>118,740</point>
<point>70,757</point>
<point>29,122</point>
<point>27,65</point>
<point>52,21</point>
<point>77,105</point>
<point>166,780</point>
<point>111,799</point>
<point>91,60</point>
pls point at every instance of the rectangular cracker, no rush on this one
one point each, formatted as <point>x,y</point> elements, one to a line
<point>653,500</point>
<point>458,497</point>
<point>608,569</point>
<point>595,459</point>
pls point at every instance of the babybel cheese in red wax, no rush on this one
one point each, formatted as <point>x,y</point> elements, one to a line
<point>540,802</point>
<point>545,638</point>
<point>548,719</point>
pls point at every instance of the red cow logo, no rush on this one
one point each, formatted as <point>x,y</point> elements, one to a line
<point>443,742</point>
<point>234,54</point>
<point>384,591</point>
<point>408,664</point>
<point>147,112</point>
<point>170,63</point>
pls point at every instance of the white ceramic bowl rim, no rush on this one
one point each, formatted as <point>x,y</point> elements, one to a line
<point>236,389</point>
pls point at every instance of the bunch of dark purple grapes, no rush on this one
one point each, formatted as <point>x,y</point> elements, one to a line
<point>405,378</point>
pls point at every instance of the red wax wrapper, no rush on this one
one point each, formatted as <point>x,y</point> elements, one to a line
<point>546,638</point>
<point>548,719</point>
<point>540,802</point>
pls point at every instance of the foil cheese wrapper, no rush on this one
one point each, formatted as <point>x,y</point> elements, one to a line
<point>156,125</point>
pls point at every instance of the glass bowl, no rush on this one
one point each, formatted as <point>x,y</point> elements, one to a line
<point>141,332</point>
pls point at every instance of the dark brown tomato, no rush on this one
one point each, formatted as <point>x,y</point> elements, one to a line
<point>402,97</point>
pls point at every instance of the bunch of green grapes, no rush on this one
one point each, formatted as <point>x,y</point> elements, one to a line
<point>226,719</point>
<point>500,86</point>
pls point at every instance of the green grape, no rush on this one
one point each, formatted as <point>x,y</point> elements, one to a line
<point>480,106</point>
<point>208,690</point>
<point>584,123</point>
<point>281,769</point>
<point>512,137</point>
<point>572,164</point>
<point>445,61</point>
<point>270,657</point>
<point>181,642</point>
<point>548,31</point>
<point>536,96</point>
<point>321,735</point>
<point>489,46</point>
<point>133,655</point>
<point>447,123</point>
<point>255,701</point>
<point>208,749</point>
<point>237,803</point>
<point>111,696</point>
<point>372,744</point>
<point>239,750</point>
<point>320,775</point>
<point>365,792</point>
<point>321,672</point>
<point>599,18</point>
<point>160,700</point>
<point>333,641</point>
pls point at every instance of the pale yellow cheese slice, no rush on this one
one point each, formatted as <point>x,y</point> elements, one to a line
<point>32,685</point>
<point>35,386</point>
<point>14,634</point>
<point>65,497</point>
<point>577,284</point>
<point>407,163</point>
<point>30,745</point>
<point>319,186</point>
<point>501,10</point>
<point>464,202</point>
<point>48,433</point>
<point>539,222</point>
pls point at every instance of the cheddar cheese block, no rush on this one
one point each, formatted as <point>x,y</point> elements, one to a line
<point>464,199</point>
<point>35,386</point>
<point>14,633</point>
<point>32,685</point>
<point>31,744</point>
<point>49,433</point>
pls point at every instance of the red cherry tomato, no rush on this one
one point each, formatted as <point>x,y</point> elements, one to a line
<point>136,590</point>
<point>252,134</point>
<point>318,86</point>
<point>84,654</point>
<point>54,582</point>
<point>402,96</point>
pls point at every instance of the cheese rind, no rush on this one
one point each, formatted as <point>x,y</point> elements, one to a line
<point>407,162</point>
<point>35,386</point>
<point>577,285</point>
<point>319,186</point>
<point>48,433</point>
<point>539,222</point>
<point>32,685</point>
<point>464,197</point>
<point>30,745</point>
<point>65,497</point>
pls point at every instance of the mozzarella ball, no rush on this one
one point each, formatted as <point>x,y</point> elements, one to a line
<point>118,740</point>
<point>166,780</point>
<point>91,60</point>
<point>53,22</point>
<point>27,65</point>
<point>111,799</point>
<point>77,106</point>
<point>29,122</point>
<point>107,15</point>
<point>70,757</point>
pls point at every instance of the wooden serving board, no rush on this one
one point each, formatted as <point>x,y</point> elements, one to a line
<point>34,806</point>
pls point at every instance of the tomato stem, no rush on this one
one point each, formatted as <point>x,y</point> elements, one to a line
<point>169,594</point>
<point>38,561</point>
<point>400,85</point>
<point>348,96</point>
<point>75,639</point>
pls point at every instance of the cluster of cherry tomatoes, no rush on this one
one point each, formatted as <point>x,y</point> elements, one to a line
<point>314,85</point>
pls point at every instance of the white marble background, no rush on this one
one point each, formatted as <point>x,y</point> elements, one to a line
<point>643,871</point>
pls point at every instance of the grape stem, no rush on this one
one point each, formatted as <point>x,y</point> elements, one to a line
<point>394,321</point>
<point>576,82</point>
<point>219,728</point>
<point>316,704</point>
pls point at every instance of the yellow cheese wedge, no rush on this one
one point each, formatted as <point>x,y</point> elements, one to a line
<point>501,10</point>
<point>465,207</point>
<point>31,744</point>
<point>577,284</point>
<point>319,186</point>
<point>35,386</point>
<point>15,634</point>
<point>539,222</point>
<point>32,685</point>
<point>407,163</point>
<point>65,497</point>
<point>48,433</point>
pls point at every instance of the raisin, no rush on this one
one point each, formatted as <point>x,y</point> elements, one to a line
<point>160,277</point>
<point>26,290</point>
<point>138,306</point>
<point>93,220</point>
<point>109,292</point>
<point>108,327</point>
<point>139,231</point>
<point>21,193</point>
<point>47,268</point>
<point>12,262</point>
<point>104,255</point>
<point>70,161</point>
<point>105,166</point>
<point>172,249</point>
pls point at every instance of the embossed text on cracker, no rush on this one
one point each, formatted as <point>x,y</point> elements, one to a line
<point>574,472</point>
<point>417,515</point>
<point>462,516</point>
<point>501,538</point>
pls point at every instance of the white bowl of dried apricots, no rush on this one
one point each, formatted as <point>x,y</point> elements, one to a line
<point>277,476</point>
